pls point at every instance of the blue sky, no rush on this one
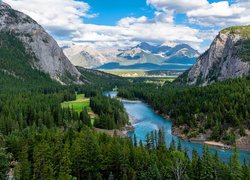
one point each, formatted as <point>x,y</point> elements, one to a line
<point>120,23</point>
<point>111,11</point>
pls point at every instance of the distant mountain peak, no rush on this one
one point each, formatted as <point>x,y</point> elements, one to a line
<point>169,44</point>
<point>143,53</point>
<point>144,46</point>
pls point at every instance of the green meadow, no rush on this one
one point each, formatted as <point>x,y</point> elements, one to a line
<point>78,105</point>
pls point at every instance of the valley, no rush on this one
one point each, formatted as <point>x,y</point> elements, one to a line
<point>121,108</point>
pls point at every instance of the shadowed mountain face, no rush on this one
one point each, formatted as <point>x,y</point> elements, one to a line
<point>227,57</point>
<point>40,52</point>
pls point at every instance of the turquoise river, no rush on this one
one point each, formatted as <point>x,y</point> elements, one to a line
<point>145,120</point>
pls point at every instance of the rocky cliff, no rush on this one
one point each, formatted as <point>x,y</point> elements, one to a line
<point>46,55</point>
<point>228,57</point>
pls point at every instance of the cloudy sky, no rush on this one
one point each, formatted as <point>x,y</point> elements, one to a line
<point>107,23</point>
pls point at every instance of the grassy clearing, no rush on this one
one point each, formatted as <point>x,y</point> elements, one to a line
<point>127,72</point>
<point>78,105</point>
<point>160,81</point>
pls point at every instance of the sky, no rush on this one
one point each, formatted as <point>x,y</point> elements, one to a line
<point>122,23</point>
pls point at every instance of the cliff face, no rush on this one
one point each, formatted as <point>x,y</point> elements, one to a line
<point>47,55</point>
<point>223,60</point>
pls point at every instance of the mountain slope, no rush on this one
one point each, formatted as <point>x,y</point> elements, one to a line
<point>228,57</point>
<point>85,56</point>
<point>15,68</point>
<point>41,50</point>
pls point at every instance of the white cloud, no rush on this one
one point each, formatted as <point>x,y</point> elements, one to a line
<point>60,17</point>
<point>218,14</point>
<point>220,9</point>
<point>177,5</point>
<point>126,22</point>
<point>221,14</point>
<point>139,29</point>
<point>64,20</point>
<point>165,17</point>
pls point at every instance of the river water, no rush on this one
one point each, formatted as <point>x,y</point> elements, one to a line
<point>145,120</point>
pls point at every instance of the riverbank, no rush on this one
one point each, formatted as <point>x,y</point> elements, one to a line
<point>242,143</point>
<point>199,138</point>
<point>126,100</point>
<point>118,132</point>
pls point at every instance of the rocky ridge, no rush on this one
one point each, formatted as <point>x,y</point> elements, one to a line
<point>47,55</point>
<point>225,59</point>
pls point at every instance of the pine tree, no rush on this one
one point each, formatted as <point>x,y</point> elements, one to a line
<point>235,170</point>
<point>179,146</point>
<point>43,167</point>
<point>23,168</point>
<point>4,163</point>
<point>206,165</point>
<point>148,142</point>
<point>65,164</point>
<point>245,171</point>
<point>135,140</point>
<point>178,165</point>
<point>195,165</point>
<point>172,145</point>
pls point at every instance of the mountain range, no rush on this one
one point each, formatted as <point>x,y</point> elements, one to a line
<point>141,56</point>
<point>29,53</point>
<point>29,56</point>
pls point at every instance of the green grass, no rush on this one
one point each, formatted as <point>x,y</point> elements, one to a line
<point>127,72</point>
<point>78,105</point>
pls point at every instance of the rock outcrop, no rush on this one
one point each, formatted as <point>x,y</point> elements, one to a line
<point>226,58</point>
<point>47,55</point>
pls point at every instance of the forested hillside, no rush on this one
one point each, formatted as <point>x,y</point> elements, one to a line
<point>15,66</point>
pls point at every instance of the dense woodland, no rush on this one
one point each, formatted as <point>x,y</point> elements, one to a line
<point>42,153</point>
<point>217,107</point>
<point>112,114</point>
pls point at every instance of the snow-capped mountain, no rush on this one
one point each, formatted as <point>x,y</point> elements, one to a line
<point>160,54</point>
<point>85,56</point>
<point>143,53</point>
